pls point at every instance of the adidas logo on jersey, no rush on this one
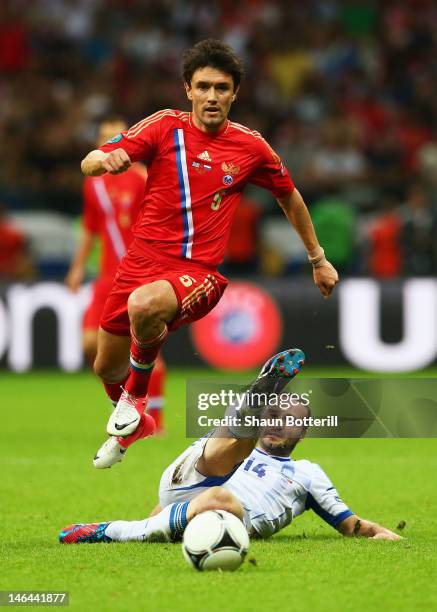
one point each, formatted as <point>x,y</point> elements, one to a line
<point>204,156</point>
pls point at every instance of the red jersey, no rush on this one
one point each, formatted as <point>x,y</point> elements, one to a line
<point>111,207</point>
<point>195,181</point>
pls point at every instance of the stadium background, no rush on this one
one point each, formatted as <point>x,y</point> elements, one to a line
<point>345,91</point>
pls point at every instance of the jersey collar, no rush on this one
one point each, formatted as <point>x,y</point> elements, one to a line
<point>273,456</point>
<point>223,130</point>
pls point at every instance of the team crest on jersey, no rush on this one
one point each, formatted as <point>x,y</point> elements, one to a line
<point>243,330</point>
<point>230,168</point>
<point>204,156</point>
<point>228,179</point>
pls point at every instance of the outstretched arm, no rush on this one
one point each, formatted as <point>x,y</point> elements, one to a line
<point>324,499</point>
<point>325,275</point>
<point>356,526</point>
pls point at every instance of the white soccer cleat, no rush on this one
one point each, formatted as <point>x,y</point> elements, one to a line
<point>109,453</point>
<point>125,417</point>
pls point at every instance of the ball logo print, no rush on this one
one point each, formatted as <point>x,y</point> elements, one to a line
<point>361,302</point>
<point>215,540</point>
<point>238,327</point>
<point>228,179</point>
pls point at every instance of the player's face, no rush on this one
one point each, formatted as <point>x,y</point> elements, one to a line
<point>280,438</point>
<point>211,92</point>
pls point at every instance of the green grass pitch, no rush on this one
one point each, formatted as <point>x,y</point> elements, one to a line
<point>52,424</point>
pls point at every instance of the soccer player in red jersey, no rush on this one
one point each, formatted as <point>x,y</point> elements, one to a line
<point>111,207</point>
<point>198,163</point>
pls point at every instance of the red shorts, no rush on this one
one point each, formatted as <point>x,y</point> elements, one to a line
<point>198,288</point>
<point>101,289</point>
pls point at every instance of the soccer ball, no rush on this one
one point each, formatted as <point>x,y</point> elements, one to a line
<point>215,540</point>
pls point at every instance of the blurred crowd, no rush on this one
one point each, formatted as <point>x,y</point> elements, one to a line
<point>345,90</point>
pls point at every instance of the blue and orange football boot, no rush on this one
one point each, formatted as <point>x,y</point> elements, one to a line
<point>277,371</point>
<point>91,533</point>
<point>274,376</point>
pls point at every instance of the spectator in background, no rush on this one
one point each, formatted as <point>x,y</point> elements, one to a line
<point>384,235</point>
<point>66,64</point>
<point>427,160</point>
<point>385,162</point>
<point>14,39</point>
<point>15,260</point>
<point>334,219</point>
<point>338,163</point>
<point>419,233</point>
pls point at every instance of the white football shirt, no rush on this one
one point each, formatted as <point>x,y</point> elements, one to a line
<point>275,490</point>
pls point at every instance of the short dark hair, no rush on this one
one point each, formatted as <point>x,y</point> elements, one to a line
<point>214,53</point>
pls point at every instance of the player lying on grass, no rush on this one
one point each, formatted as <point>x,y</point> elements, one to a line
<point>262,486</point>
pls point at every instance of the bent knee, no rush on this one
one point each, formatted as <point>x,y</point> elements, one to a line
<point>108,371</point>
<point>144,304</point>
<point>156,300</point>
<point>219,495</point>
<point>219,498</point>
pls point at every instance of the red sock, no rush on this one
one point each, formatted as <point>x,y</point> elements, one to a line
<point>114,390</point>
<point>142,359</point>
<point>146,427</point>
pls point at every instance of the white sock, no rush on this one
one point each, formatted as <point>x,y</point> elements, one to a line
<point>169,524</point>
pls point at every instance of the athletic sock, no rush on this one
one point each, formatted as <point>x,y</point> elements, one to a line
<point>114,390</point>
<point>142,359</point>
<point>168,525</point>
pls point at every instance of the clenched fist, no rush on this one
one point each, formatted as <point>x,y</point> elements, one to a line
<point>116,162</point>
<point>325,277</point>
